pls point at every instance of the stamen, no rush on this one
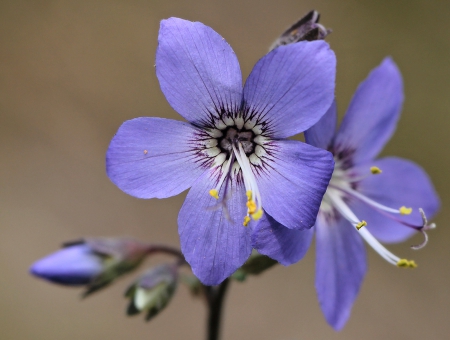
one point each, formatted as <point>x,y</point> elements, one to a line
<point>254,208</point>
<point>214,193</point>
<point>348,214</point>
<point>375,170</point>
<point>249,195</point>
<point>341,181</point>
<point>246,221</point>
<point>404,263</point>
<point>251,205</point>
<point>404,210</point>
<point>225,172</point>
<point>371,202</point>
<point>257,215</point>
<point>361,224</point>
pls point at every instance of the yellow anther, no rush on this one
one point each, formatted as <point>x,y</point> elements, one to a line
<point>214,193</point>
<point>405,211</point>
<point>251,205</point>
<point>246,220</point>
<point>249,195</point>
<point>412,264</point>
<point>404,263</point>
<point>375,170</point>
<point>361,224</point>
<point>257,215</point>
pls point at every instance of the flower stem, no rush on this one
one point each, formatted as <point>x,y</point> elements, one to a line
<point>160,248</point>
<point>217,295</point>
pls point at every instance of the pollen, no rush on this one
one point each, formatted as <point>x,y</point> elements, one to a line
<point>404,210</point>
<point>145,152</point>
<point>361,224</point>
<point>214,193</point>
<point>246,221</point>
<point>257,215</point>
<point>251,205</point>
<point>249,195</point>
<point>404,263</point>
<point>375,170</point>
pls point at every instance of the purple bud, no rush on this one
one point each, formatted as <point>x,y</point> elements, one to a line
<point>93,262</point>
<point>73,265</point>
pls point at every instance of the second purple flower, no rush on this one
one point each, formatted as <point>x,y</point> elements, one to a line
<point>232,152</point>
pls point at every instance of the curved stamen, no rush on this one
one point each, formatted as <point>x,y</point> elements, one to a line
<point>348,214</point>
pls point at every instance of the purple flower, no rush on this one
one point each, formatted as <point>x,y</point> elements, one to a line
<point>374,200</point>
<point>74,265</point>
<point>232,151</point>
<point>93,262</point>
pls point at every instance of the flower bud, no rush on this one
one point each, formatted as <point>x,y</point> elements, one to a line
<point>94,262</point>
<point>307,28</point>
<point>74,265</point>
<point>152,291</point>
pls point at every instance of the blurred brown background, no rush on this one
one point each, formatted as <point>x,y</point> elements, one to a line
<point>72,71</point>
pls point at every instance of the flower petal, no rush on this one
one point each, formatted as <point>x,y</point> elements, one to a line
<point>292,87</point>
<point>292,182</point>
<point>340,268</point>
<point>213,239</point>
<point>287,246</point>
<point>153,157</point>
<point>373,113</point>
<point>321,134</point>
<point>74,265</point>
<point>402,183</point>
<point>197,70</point>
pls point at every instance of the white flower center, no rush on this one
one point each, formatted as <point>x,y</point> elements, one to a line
<point>238,147</point>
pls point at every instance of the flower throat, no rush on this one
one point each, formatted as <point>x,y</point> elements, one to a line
<point>239,148</point>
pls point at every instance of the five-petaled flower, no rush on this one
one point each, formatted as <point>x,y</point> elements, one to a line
<point>373,199</point>
<point>233,150</point>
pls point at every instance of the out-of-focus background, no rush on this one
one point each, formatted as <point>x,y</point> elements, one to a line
<point>72,71</point>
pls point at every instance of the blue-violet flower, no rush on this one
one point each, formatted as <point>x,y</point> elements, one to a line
<point>73,265</point>
<point>232,152</point>
<point>377,200</point>
<point>92,262</point>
